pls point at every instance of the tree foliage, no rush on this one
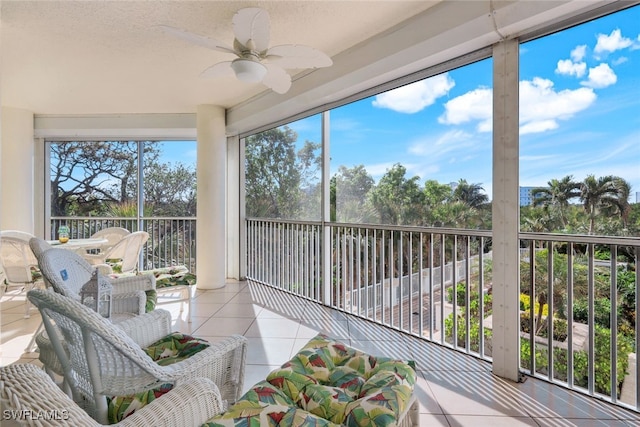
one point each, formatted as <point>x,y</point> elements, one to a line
<point>349,188</point>
<point>397,198</point>
<point>278,178</point>
<point>97,177</point>
<point>556,196</point>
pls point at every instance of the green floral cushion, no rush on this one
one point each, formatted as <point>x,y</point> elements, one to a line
<point>378,409</point>
<point>166,351</point>
<point>326,384</point>
<point>316,363</point>
<point>174,348</point>
<point>152,300</point>
<point>165,277</point>
<point>291,382</point>
<point>120,407</point>
<point>325,401</point>
<point>266,393</point>
<point>247,413</point>
<point>347,379</point>
<point>115,264</point>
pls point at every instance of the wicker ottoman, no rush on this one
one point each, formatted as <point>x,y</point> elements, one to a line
<point>326,384</point>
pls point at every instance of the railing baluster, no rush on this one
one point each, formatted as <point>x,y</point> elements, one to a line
<point>613,297</point>
<point>592,339</point>
<point>369,277</point>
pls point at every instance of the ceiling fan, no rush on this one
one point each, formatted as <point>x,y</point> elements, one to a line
<point>256,61</point>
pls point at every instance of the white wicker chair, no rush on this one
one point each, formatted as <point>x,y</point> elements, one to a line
<point>127,250</point>
<point>113,236</point>
<point>18,263</point>
<point>104,359</point>
<point>56,264</point>
<point>39,246</point>
<point>32,395</point>
<point>66,272</point>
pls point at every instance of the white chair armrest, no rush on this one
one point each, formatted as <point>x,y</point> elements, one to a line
<point>187,404</point>
<point>132,302</point>
<point>144,282</point>
<point>223,362</point>
<point>29,391</point>
<point>147,328</point>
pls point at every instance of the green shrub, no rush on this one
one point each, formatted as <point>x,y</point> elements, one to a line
<point>461,294</point>
<point>559,327</point>
<point>525,305</point>
<point>602,363</point>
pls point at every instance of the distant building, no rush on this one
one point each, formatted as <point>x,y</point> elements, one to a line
<point>526,198</point>
<point>637,196</point>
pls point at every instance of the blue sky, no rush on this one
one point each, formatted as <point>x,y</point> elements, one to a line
<point>579,114</point>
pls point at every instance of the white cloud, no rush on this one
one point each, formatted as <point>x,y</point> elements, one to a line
<point>538,126</point>
<point>600,77</point>
<point>570,68</point>
<point>473,105</point>
<point>436,147</point>
<point>578,53</point>
<point>612,42</point>
<point>620,60</point>
<point>416,96</point>
<point>541,106</point>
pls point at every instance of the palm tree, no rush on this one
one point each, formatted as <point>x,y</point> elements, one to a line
<point>557,196</point>
<point>470,194</point>
<point>622,206</point>
<point>607,193</point>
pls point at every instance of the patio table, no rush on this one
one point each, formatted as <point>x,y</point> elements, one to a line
<point>74,244</point>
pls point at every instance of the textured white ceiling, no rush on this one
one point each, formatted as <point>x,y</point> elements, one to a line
<point>101,57</point>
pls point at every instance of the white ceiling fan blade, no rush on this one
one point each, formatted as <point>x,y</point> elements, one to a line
<point>277,79</point>
<point>220,69</point>
<point>297,56</point>
<point>198,39</point>
<point>252,24</point>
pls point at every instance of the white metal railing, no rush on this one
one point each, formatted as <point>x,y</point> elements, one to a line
<point>590,286</point>
<point>404,277</point>
<point>172,240</point>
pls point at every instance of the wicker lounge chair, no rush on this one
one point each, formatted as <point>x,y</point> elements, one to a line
<point>106,360</point>
<point>113,236</point>
<point>125,253</point>
<point>66,272</point>
<point>35,400</point>
<point>19,265</point>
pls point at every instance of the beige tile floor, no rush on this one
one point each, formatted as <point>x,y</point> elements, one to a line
<point>453,389</point>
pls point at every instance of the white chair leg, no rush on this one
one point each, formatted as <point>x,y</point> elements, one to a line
<point>27,303</point>
<point>32,344</point>
<point>189,298</point>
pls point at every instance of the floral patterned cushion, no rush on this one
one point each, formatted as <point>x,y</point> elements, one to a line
<point>170,349</point>
<point>327,383</point>
<point>266,405</point>
<point>152,300</point>
<point>173,276</point>
<point>165,277</point>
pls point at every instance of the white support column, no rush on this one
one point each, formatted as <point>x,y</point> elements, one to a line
<point>211,180</point>
<point>234,224</point>
<point>326,208</point>
<point>506,211</point>
<point>242,208</point>
<point>17,170</point>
